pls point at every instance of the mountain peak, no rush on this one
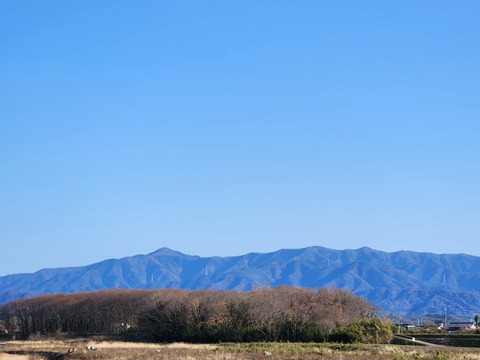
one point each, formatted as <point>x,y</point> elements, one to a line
<point>165,251</point>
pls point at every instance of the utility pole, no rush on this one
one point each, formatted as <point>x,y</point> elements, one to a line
<point>399,323</point>
<point>445,319</point>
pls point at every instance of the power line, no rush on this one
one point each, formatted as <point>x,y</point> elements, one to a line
<point>432,308</point>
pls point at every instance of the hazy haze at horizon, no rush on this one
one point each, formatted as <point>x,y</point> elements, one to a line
<point>223,128</point>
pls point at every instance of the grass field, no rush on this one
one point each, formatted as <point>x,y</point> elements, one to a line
<point>103,350</point>
<point>460,340</point>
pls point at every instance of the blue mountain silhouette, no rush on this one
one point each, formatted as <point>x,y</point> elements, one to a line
<point>398,280</point>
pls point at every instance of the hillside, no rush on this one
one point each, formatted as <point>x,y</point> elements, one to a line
<point>399,280</point>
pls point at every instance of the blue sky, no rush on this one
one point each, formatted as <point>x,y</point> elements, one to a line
<point>227,127</point>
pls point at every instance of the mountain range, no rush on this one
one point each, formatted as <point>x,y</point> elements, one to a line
<point>404,281</point>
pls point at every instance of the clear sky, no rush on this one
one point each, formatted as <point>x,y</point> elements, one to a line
<point>228,127</point>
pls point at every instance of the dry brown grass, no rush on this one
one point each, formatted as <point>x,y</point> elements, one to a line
<point>13,357</point>
<point>109,350</point>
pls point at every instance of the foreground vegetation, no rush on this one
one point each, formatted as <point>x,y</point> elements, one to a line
<point>106,350</point>
<point>278,314</point>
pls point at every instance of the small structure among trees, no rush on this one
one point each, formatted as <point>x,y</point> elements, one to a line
<point>461,325</point>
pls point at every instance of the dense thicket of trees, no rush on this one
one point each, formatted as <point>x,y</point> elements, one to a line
<point>278,314</point>
<point>93,312</point>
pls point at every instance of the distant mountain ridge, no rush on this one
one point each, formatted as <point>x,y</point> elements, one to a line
<point>398,280</point>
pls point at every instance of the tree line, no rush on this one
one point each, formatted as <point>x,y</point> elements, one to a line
<point>267,314</point>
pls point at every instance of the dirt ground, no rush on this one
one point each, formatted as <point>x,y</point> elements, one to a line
<point>85,349</point>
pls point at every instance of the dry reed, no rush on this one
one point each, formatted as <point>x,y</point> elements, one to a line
<point>110,350</point>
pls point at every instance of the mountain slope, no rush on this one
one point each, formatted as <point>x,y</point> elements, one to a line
<point>402,279</point>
